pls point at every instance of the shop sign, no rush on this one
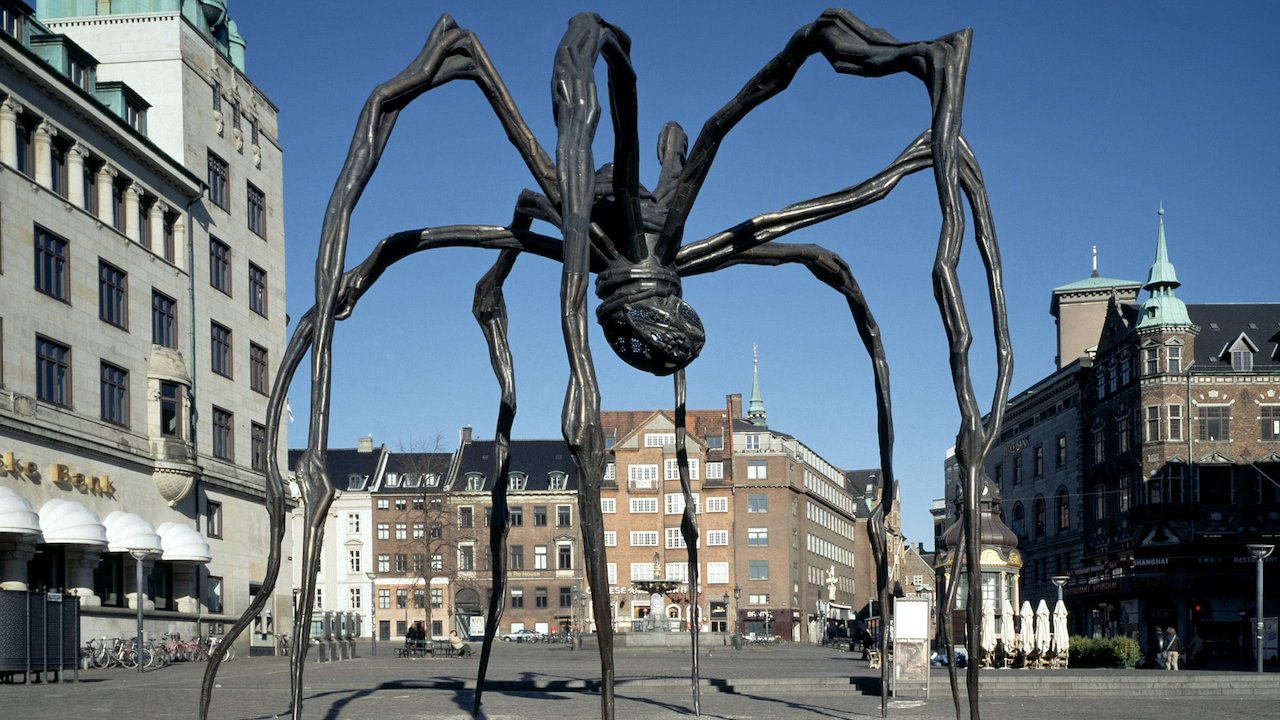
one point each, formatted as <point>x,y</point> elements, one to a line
<point>65,477</point>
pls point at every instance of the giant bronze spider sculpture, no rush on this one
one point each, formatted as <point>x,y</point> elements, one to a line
<point>631,239</point>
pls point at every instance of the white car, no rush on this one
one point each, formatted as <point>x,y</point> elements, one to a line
<point>523,636</point>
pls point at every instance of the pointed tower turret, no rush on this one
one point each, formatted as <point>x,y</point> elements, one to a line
<point>1162,307</point>
<point>755,407</point>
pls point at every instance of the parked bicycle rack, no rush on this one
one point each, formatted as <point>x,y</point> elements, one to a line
<point>39,633</point>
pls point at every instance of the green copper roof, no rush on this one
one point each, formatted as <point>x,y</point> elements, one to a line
<point>755,407</point>
<point>1095,283</point>
<point>1162,307</point>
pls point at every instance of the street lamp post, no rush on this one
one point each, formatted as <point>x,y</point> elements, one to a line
<point>724,629</point>
<point>1060,580</point>
<point>373,611</point>
<point>737,600</point>
<point>1259,552</point>
<point>139,555</point>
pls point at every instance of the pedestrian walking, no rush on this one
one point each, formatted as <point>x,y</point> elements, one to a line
<point>1171,649</point>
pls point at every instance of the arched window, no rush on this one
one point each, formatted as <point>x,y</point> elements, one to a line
<point>1019,520</point>
<point>1064,510</point>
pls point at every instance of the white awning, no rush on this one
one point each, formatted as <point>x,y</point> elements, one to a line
<point>127,532</point>
<point>182,543</point>
<point>67,522</point>
<point>17,517</point>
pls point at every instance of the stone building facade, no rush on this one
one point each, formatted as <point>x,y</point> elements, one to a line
<point>136,366</point>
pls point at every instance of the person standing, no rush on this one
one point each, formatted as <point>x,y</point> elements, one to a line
<point>1171,649</point>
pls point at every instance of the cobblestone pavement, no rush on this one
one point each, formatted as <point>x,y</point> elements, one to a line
<point>546,682</point>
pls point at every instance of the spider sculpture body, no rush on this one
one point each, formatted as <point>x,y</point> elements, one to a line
<point>631,240</point>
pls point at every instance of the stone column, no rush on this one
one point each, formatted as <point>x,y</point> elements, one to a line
<point>81,562</point>
<point>75,175</point>
<point>15,552</point>
<point>9,111</point>
<point>180,241</point>
<point>131,212</point>
<point>155,220</point>
<point>106,176</point>
<point>43,140</point>
<point>184,588</point>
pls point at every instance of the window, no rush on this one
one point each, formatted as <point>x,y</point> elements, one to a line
<point>659,439</point>
<point>384,598</point>
<point>564,556</point>
<point>539,557</point>
<point>53,372</point>
<point>715,471</point>
<point>1064,510</point>
<point>113,290</point>
<point>1242,360</point>
<point>164,320</point>
<point>608,505</point>
<point>517,557</point>
<point>402,563</point>
<point>220,265</point>
<point>258,447</point>
<point>717,504</point>
<point>353,561</point>
<point>475,481</point>
<point>115,394</point>
<point>641,571</point>
<point>757,537</point>
<point>467,557</point>
<point>752,442</point>
<point>258,368</point>
<point>1151,364</point>
<point>674,503</point>
<point>170,245</point>
<point>383,503</point>
<point>1037,459</point>
<point>1215,423</point>
<point>11,22</point>
<point>89,184</point>
<point>1061,460</point>
<point>1174,355</point>
<point>999,478</point>
<point>610,473</point>
<point>117,206</point>
<point>1040,517</point>
<point>257,211</point>
<point>1269,416</point>
<point>675,539</point>
<point>540,597</point>
<point>437,561</point>
<point>218,180</point>
<point>1017,469</point>
<point>1123,433</point>
<point>384,531</point>
<point>1019,520</point>
<point>58,169</point>
<point>213,519</point>
<point>515,516</point>
<point>564,515</point>
<point>466,517</point>
<point>257,290</point>
<point>52,265</point>
<point>557,480</point>
<point>643,476</point>
<point>717,573</point>
<point>220,349</point>
<point>26,149</point>
<point>213,599</point>
<point>420,530</point>
<point>757,469</point>
<point>757,503</point>
<point>539,515</point>
<point>437,597</point>
<point>1175,422</point>
<point>517,481</point>
<point>610,538</point>
<point>757,569</point>
<point>644,538</point>
<point>1152,423</point>
<point>354,596</point>
<point>353,523</point>
<point>644,505</point>
<point>517,597</point>
<point>566,597</point>
<point>402,531</point>
<point>170,409</point>
<point>718,537</point>
<point>223,437</point>
<point>672,469</point>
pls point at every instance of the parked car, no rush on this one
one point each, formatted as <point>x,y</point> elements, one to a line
<point>523,636</point>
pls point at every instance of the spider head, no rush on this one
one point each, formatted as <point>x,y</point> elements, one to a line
<point>646,322</point>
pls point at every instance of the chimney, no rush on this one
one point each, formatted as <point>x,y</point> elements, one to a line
<point>466,435</point>
<point>734,402</point>
<point>365,444</point>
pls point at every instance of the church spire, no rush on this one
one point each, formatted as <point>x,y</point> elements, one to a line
<point>1162,307</point>
<point>755,408</point>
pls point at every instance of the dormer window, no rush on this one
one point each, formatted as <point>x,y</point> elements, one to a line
<point>356,481</point>
<point>412,480</point>
<point>475,481</point>
<point>11,22</point>
<point>558,480</point>
<point>431,480</point>
<point>1242,360</point>
<point>393,480</point>
<point>517,481</point>
<point>79,73</point>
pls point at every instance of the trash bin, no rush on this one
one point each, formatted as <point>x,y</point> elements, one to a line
<point>39,633</point>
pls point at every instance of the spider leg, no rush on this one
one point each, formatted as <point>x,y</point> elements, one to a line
<point>577,112</point>
<point>688,531</point>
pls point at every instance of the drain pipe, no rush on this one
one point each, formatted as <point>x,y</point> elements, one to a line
<point>192,414</point>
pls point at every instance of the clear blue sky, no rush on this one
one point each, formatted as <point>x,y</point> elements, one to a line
<point>1085,116</point>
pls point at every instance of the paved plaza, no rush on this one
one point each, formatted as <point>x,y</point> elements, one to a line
<point>553,682</point>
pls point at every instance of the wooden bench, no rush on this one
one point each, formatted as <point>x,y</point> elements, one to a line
<point>413,649</point>
<point>443,648</point>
